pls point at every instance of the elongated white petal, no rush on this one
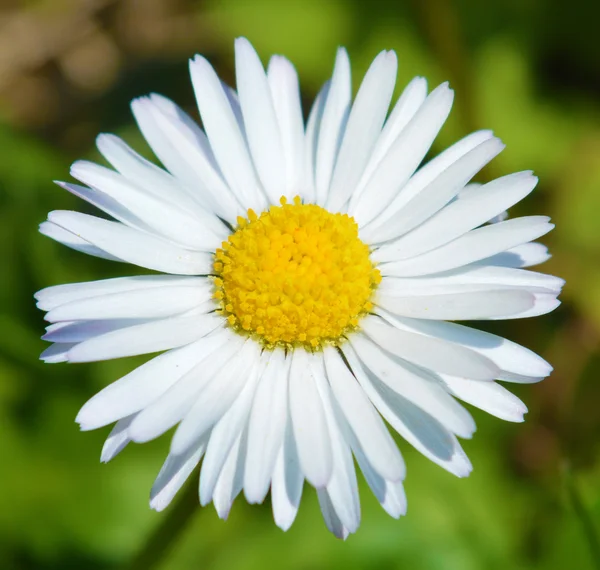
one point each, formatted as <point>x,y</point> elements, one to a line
<point>466,214</point>
<point>142,386</point>
<point>78,331</point>
<point>144,338</point>
<point>333,123</point>
<point>408,382</point>
<point>426,175</point>
<point>308,420</point>
<point>407,105</point>
<point>285,92</point>
<point>473,246</point>
<point>287,481</point>
<point>147,175</point>
<point>133,246</point>
<point>363,419</point>
<point>515,360</point>
<point>215,398</point>
<point>173,474</point>
<point>173,405</point>
<point>175,224</point>
<point>56,353</point>
<point>432,198</point>
<point>107,204</point>
<point>363,128</point>
<point>343,487</point>
<point>472,278</point>
<point>524,255</point>
<point>226,139</point>
<point>311,139</point>
<point>404,156</point>
<point>459,306</point>
<point>260,120</point>
<point>488,396</point>
<point>420,429</point>
<point>52,297</point>
<point>229,483</point>
<point>183,148</point>
<point>331,518</point>
<point>429,352</point>
<point>390,494</point>
<point>266,426</point>
<point>155,302</point>
<point>117,440</point>
<point>55,232</point>
<point>226,432</point>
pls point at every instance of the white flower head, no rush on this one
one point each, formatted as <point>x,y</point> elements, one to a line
<point>306,280</point>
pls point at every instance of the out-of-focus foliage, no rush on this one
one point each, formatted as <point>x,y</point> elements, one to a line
<point>529,70</point>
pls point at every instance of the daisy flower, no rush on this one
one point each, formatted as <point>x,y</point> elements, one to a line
<point>306,280</point>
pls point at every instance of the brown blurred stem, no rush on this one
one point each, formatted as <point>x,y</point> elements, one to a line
<point>169,529</point>
<point>583,516</point>
<point>440,23</point>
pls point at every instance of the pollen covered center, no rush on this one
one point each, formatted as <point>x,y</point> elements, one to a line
<point>296,274</point>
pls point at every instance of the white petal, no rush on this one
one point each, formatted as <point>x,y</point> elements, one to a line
<point>407,105</point>
<point>429,352</point>
<point>466,214</point>
<point>287,482</point>
<point>266,426</point>
<point>173,474</point>
<point>182,147</point>
<point>488,396</point>
<point>225,433</point>
<point>154,302</point>
<point>309,423</point>
<point>226,139</point>
<point>260,120</point>
<point>363,419</point>
<point>107,204</point>
<point>425,176</point>
<point>517,361</point>
<point>174,223</point>
<point>57,353</point>
<point>473,246</point>
<point>117,439</point>
<point>73,241</point>
<point>285,91</point>
<point>174,404</point>
<point>78,331</point>
<point>420,429</point>
<point>148,176</point>
<point>52,297</point>
<point>333,522</point>
<point>390,494</point>
<point>436,194</point>
<point>133,246</point>
<point>140,387</point>
<point>332,125</point>
<point>412,383</point>
<point>363,127</point>
<point>524,255</point>
<point>311,140</point>
<point>343,487</point>
<point>472,278</point>
<point>230,480</point>
<point>145,338</point>
<point>216,397</point>
<point>404,156</point>
<point>477,305</point>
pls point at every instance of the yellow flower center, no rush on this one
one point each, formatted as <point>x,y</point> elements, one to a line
<point>295,275</point>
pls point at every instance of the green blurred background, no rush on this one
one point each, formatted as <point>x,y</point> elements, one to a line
<point>528,69</point>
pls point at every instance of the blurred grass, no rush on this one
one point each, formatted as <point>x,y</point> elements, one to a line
<point>528,70</point>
